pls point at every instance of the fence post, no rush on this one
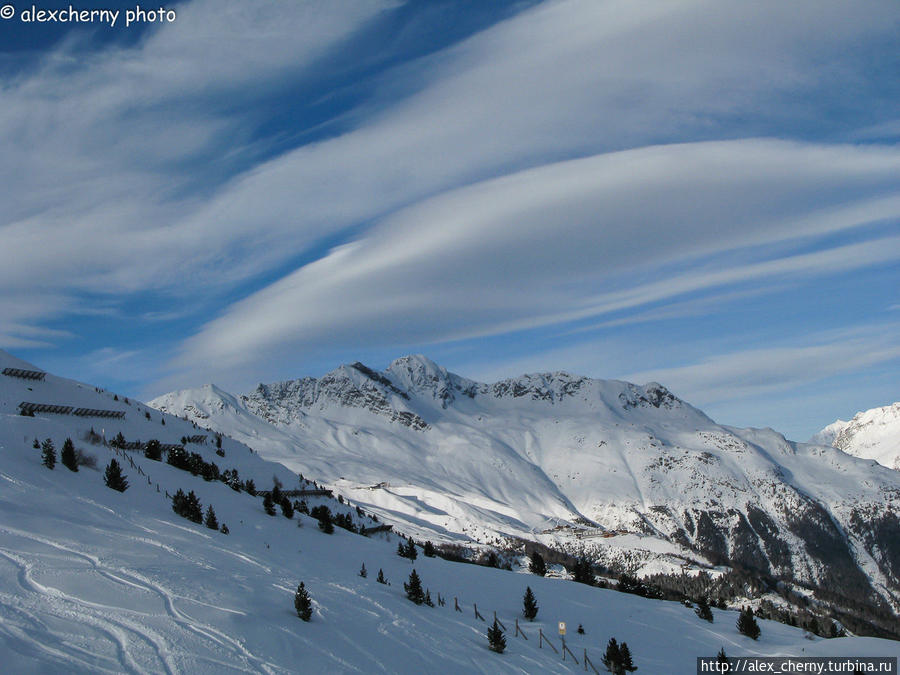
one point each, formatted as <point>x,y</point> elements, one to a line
<point>549,642</point>
<point>477,615</point>
<point>456,604</point>
<point>519,631</point>
<point>499,621</point>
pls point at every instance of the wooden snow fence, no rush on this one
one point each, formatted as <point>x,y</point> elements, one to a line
<point>27,407</point>
<point>378,528</point>
<point>24,374</point>
<point>94,412</point>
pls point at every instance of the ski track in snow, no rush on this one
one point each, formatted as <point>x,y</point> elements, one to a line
<point>94,614</point>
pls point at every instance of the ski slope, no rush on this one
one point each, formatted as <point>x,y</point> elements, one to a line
<point>93,580</point>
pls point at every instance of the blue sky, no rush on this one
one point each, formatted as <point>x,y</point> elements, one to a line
<point>700,193</point>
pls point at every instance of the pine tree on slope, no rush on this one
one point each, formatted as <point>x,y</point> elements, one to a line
<point>48,454</point>
<point>114,478</point>
<point>612,658</point>
<point>211,521</point>
<point>413,589</point>
<point>703,610</point>
<point>496,639</point>
<point>626,664</point>
<point>747,625</point>
<point>303,603</point>
<point>67,456</point>
<point>537,566</point>
<point>530,606</point>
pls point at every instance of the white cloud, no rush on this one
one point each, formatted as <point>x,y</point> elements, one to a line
<point>752,372</point>
<point>97,148</point>
<point>549,245</point>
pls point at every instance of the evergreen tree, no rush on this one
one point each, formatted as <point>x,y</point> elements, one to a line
<point>363,572</point>
<point>428,598</point>
<point>268,504</point>
<point>323,514</point>
<point>380,579</point>
<point>276,490</point>
<point>48,454</point>
<point>583,573</point>
<point>530,606</point>
<point>401,549</point>
<point>191,508</point>
<point>153,450</point>
<point>626,664</point>
<point>250,487</point>
<point>211,521</point>
<point>178,458</point>
<point>411,552</point>
<point>703,610</point>
<point>413,589</point>
<point>747,625</point>
<point>302,603</point>
<point>537,566</point>
<point>36,445</point>
<point>813,626</point>
<point>118,441</point>
<point>496,638</point>
<point>612,659</point>
<point>493,560</point>
<point>722,660</point>
<point>428,550</point>
<point>67,456</point>
<point>303,508</point>
<point>178,502</point>
<point>114,478</point>
<point>287,509</point>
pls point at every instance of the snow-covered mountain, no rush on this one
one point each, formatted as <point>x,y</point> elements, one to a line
<point>872,434</point>
<point>630,474</point>
<point>98,581</point>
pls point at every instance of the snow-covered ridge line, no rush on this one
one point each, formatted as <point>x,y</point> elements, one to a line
<point>871,434</point>
<point>574,462</point>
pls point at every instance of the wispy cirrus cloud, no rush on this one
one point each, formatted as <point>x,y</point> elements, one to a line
<point>751,372</point>
<point>504,255</point>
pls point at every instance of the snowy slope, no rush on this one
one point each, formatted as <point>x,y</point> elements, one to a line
<point>93,580</point>
<point>575,463</point>
<point>871,434</point>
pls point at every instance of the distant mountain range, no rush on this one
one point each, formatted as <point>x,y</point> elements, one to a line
<point>872,434</point>
<point>97,580</point>
<point>631,475</point>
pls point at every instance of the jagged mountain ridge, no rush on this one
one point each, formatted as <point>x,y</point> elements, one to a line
<point>569,461</point>
<point>871,434</point>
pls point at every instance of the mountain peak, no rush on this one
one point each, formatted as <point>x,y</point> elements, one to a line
<point>420,375</point>
<point>871,434</point>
